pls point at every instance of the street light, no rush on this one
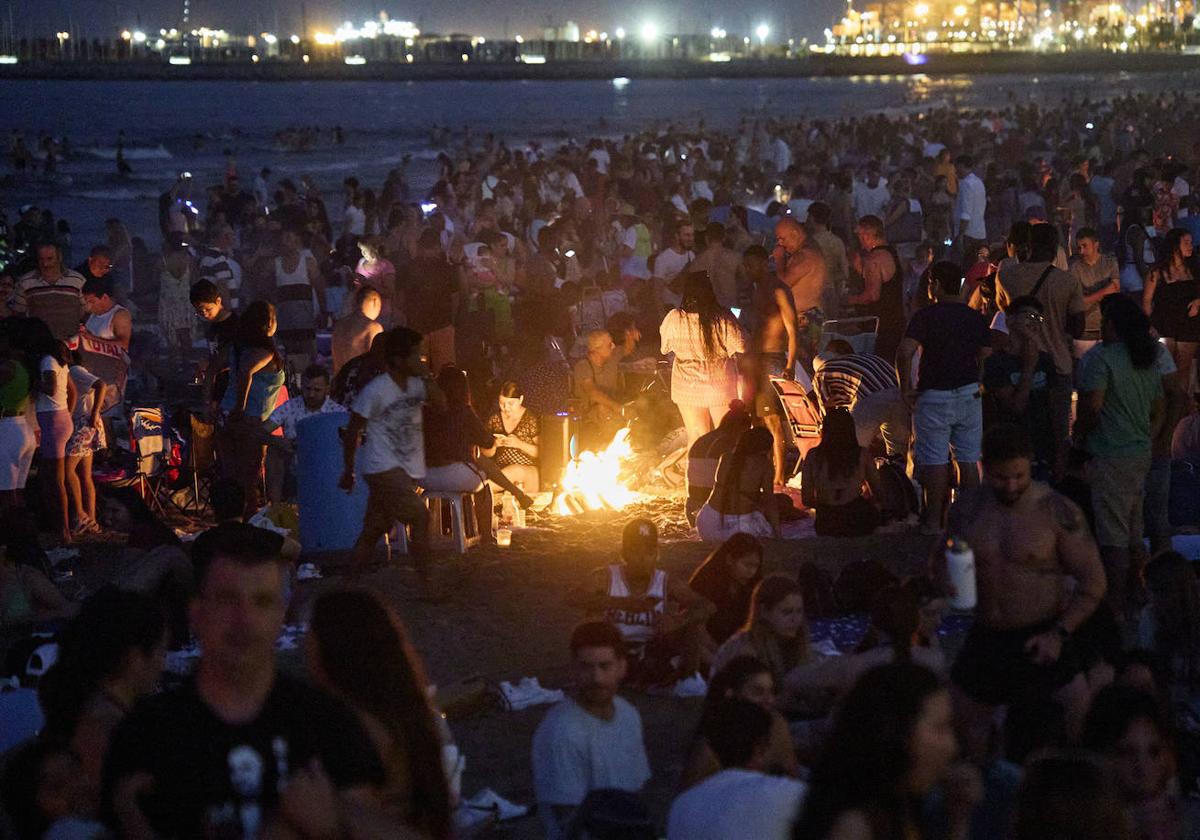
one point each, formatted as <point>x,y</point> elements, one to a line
<point>762,32</point>
<point>620,33</point>
<point>649,32</point>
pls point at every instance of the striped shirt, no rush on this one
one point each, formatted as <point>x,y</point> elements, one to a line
<point>842,381</point>
<point>223,271</point>
<point>59,304</point>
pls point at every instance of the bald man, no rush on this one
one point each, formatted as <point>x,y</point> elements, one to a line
<point>800,266</point>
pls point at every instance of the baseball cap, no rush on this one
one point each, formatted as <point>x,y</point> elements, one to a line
<point>639,538</point>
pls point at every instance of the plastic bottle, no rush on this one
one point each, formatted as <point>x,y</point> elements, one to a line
<point>508,507</point>
<point>518,511</point>
<point>960,565</point>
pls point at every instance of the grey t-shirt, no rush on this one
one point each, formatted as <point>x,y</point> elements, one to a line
<point>1093,278</point>
<point>575,752</point>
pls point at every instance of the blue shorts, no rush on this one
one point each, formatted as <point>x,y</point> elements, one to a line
<point>946,422</point>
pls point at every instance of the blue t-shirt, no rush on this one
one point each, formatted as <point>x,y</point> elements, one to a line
<point>1129,392</point>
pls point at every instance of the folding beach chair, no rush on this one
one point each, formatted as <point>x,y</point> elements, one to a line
<point>150,446</point>
<point>804,424</point>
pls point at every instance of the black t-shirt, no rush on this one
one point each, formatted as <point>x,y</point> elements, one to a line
<point>1001,370</point>
<point>221,335</point>
<point>951,334</point>
<point>451,435</point>
<point>214,779</point>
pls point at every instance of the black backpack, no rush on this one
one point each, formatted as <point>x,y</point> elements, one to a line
<point>898,497</point>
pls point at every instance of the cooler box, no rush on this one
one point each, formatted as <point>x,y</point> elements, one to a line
<point>330,518</point>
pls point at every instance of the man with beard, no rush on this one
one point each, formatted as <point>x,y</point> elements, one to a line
<point>593,739</point>
<point>1028,540</point>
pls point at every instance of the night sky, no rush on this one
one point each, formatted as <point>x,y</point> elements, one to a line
<point>798,18</point>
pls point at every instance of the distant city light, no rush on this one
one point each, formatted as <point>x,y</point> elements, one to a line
<point>921,10</point>
<point>179,60</point>
<point>620,82</point>
<point>8,59</point>
<point>139,37</point>
<point>126,35</point>
<point>295,39</point>
<point>960,11</point>
<point>520,39</point>
<point>718,32</point>
<point>533,59</point>
<point>325,39</point>
<point>762,31</point>
<point>269,38</point>
<point>649,32</point>
<point>355,60</point>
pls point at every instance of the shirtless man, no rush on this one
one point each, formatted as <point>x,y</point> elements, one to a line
<point>801,267</point>
<point>1027,540</point>
<point>774,342</point>
<point>352,335</point>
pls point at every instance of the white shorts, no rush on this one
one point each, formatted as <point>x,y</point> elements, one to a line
<point>718,527</point>
<point>449,478</point>
<point>17,445</point>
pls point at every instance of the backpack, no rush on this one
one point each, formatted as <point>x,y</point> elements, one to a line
<point>859,584</point>
<point>817,588</point>
<point>898,498</point>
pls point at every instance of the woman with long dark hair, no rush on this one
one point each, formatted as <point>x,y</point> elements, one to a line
<point>727,578</point>
<point>110,655</point>
<point>833,476</point>
<point>256,377</point>
<point>892,741</point>
<point>1171,297</point>
<point>1120,403</point>
<point>358,650</point>
<point>743,498</point>
<point>704,338</point>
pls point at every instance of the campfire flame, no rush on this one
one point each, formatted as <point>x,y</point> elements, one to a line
<point>592,481</point>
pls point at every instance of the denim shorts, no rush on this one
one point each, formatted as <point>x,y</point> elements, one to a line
<point>946,422</point>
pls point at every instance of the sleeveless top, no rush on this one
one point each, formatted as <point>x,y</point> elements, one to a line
<point>101,325</point>
<point>637,627</point>
<point>264,390</point>
<point>889,309</point>
<point>293,286</point>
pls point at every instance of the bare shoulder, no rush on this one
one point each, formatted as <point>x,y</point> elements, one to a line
<point>1065,514</point>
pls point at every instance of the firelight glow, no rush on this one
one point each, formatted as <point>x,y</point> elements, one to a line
<point>593,480</point>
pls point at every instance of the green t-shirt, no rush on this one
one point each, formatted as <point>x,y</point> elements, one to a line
<point>1124,427</point>
<point>15,391</point>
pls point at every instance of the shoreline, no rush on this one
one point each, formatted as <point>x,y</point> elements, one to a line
<point>814,66</point>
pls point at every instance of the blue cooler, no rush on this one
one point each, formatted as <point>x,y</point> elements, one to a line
<point>330,518</point>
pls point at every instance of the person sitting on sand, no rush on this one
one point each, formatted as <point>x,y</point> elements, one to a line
<point>658,616</point>
<point>833,478</point>
<point>743,499</point>
<point>727,578</point>
<point>742,678</point>
<point>593,739</point>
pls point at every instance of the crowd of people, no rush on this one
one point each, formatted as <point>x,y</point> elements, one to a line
<point>995,311</point>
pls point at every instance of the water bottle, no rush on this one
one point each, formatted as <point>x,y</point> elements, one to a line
<point>960,564</point>
<point>518,511</point>
<point>508,507</point>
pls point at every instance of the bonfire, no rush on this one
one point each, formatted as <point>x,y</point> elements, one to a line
<point>593,480</point>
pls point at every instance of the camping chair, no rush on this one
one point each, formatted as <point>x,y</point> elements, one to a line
<point>859,332</point>
<point>202,462</point>
<point>803,427</point>
<point>149,443</point>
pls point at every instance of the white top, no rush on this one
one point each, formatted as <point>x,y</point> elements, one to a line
<point>395,437</point>
<point>602,160</point>
<point>287,415</point>
<point>101,325</point>
<point>870,202</point>
<point>56,401</point>
<point>575,753</point>
<point>737,804</point>
<point>85,397</point>
<point>640,626</point>
<point>298,276</point>
<point>354,220</point>
<point>970,207</point>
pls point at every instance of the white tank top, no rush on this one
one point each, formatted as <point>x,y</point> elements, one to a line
<point>297,276</point>
<point>637,627</point>
<point>101,325</point>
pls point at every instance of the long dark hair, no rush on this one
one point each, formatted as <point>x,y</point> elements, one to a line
<point>110,623</point>
<point>780,655</point>
<point>40,342</point>
<point>726,683</point>
<point>868,754</point>
<point>714,572</point>
<point>1132,327</point>
<point>753,441</point>
<point>253,328</point>
<point>839,443</point>
<point>1170,248</point>
<point>699,299</point>
<point>367,659</point>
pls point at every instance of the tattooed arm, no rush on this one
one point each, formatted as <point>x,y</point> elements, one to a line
<point>1079,558</point>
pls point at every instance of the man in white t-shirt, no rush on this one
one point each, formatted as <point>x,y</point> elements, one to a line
<point>388,409</point>
<point>740,800</point>
<point>671,262</point>
<point>593,739</point>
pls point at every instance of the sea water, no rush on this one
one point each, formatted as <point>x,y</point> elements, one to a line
<point>175,126</point>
